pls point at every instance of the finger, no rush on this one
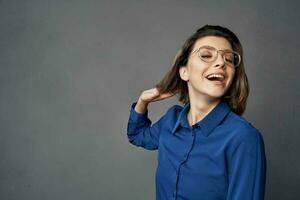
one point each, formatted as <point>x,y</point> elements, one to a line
<point>151,93</point>
<point>157,98</point>
<point>161,97</point>
<point>166,95</point>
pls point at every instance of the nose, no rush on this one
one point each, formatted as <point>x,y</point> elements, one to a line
<point>219,62</point>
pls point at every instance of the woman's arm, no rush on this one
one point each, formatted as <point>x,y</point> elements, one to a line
<point>140,130</point>
<point>247,169</point>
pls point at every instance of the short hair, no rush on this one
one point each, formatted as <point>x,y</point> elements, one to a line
<point>236,95</point>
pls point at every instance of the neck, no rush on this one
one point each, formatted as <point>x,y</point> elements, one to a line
<point>199,108</point>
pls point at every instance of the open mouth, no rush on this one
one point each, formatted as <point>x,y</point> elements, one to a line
<point>216,78</point>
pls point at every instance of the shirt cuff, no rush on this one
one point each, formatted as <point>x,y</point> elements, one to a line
<point>135,116</point>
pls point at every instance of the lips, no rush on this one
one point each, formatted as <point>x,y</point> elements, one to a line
<point>218,78</point>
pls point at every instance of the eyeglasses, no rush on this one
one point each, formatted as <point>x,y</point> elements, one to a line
<point>209,54</point>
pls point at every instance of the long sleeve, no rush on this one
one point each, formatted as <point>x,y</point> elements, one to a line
<point>140,130</point>
<point>247,169</point>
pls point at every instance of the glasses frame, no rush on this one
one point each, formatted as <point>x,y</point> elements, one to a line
<point>218,50</point>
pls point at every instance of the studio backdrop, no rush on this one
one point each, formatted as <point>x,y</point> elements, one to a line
<point>69,71</point>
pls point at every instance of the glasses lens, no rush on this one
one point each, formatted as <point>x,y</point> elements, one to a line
<point>232,58</point>
<point>207,55</point>
<point>229,58</point>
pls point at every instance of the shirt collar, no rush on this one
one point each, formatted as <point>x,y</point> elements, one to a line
<point>209,122</point>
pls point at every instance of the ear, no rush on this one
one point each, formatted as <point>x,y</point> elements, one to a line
<point>183,72</point>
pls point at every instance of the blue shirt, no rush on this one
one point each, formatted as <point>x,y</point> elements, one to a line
<point>221,157</point>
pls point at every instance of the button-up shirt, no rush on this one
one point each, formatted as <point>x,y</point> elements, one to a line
<point>221,157</point>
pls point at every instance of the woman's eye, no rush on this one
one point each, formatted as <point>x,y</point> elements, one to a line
<point>229,60</point>
<point>206,56</point>
<point>229,57</point>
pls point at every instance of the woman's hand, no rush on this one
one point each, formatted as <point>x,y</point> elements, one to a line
<point>149,96</point>
<point>152,95</point>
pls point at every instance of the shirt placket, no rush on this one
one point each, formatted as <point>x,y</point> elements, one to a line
<point>185,158</point>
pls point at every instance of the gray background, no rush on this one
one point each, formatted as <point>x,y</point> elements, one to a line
<point>71,69</point>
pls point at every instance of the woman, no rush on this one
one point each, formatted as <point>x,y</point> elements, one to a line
<point>206,149</point>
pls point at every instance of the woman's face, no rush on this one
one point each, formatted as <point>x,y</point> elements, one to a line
<point>197,71</point>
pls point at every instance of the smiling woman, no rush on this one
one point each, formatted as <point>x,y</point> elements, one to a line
<point>236,96</point>
<point>207,150</point>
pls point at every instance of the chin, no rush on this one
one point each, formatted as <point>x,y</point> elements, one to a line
<point>216,93</point>
<point>212,92</point>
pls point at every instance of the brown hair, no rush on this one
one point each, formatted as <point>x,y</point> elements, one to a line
<point>236,95</point>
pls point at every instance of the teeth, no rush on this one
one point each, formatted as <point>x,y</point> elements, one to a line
<point>216,75</point>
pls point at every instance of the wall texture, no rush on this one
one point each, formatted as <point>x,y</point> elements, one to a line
<point>69,71</point>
